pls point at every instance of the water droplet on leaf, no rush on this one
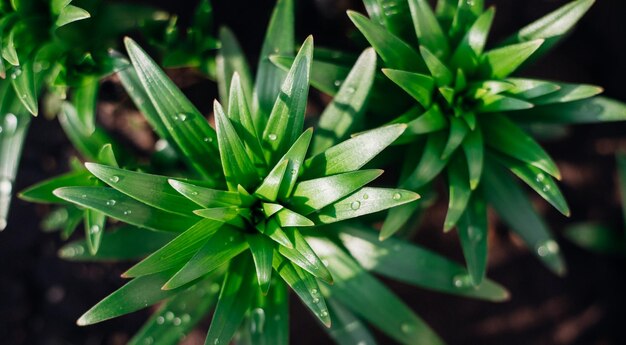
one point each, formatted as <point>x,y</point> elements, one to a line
<point>355,205</point>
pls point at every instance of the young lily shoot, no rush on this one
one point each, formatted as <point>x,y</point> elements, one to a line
<point>469,112</point>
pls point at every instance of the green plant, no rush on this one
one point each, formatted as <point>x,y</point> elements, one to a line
<point>597,237</point>
<point>467,117</point>
<point>255,206</point>
<point>43,49</point>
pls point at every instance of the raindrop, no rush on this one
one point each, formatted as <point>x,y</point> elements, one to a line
<point>208,140</point>
<point>338,83</point>
<point>127,212</point>
<point>84,196</point>
<point>10,124</point>
<point>397,196</point>
<point>148,341</point>
<point>16,73</point>
<point>350,90</point>
<point>546,188</point>
<point>186,318</point>
<point>114,179</point>
<point>272,137</point>
<point>314,291</point>
<point>548,248</point>
<point>355,205</point>
<point>94,229</point>
<point>365,196</point>
<point>160,320</point>
<point>461,281</point>
<point>194,193</point>
<point>257,319</point>
<point>407,328</point>
<point>182,117</point>
<point>177,321</point>
<point>169,316</point>
<point>217,341</point>
<point>316,300</point>
<point>324,313</point>
<point>111,202</point>
<point>540,177</point>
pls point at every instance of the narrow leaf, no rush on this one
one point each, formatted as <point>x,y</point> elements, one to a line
<point>419,86</point>
<point>262,251</point>
<point>472,229</point>
<point>501,62</point>
<point>206,197</point>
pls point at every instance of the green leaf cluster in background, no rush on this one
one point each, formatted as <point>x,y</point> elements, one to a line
<point>467,111</point>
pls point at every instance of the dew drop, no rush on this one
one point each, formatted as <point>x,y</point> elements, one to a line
<point>540,177</point>
<point>186,318</point>
<point>355,205</point>
<point>365,196</point>
<point>177,321</point>
<point>194,193</point>
<point>148,341</point>
<point>111,202</point>
<point>217,341</point>
<point>169,316</point>
<point>10,124</point>
<point>208,140</point>
<point>548,248</point>
<point>272,137</point>
<point>114,179</point>
<point>316,300</point>
<point>350,90</point>
<point>84,196</point>
<point>314,291</point>
<point>127,212</point>
<point>94,229</point>
<point>546,188</point>
<point>461,281</point>
<point>160,320</point>
<point>397,196</point>
<point>338,83</point>
<point>407,328</point>
<point>16,73</point>
<point>257,319</point>
<point>182,117</point>
<point>324,313</point>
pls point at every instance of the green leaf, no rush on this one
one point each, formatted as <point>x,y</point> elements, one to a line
<point>139,96</point>
<point>362,293</point>
<point>501,62</point>
<point>569,93</point>
<point>458,132</point>
<point>234,301</point>
<point>472,229</point>
<point>498,103</point>
<point>274,231</point>
<point>431,163</point>
<point>419,86</point>
<point>177,252</point>
<point>268,190</point>
<point>531,88</point>
<point>517,212</point>
<point>430,121</point>
<point>94,227</point>
<point>237,165</point>
<point>459,190</point>
<point>220,248</point>
<point>593,110</point>
<point>312,195</point>
<point>390,14</point>
<point>231,60</point>
<point>365,201</point>
<point>178,316</point>
<point>279,40</point>
<point>597,238</point>
<point>107,156</point>
<point>124,243</point>
<point>346,110</point>
<point>437,68</point>
<point>304,285</point>
<point>288,218</point>
<point>241,119</point>
<point>262,251</point>
<point>347,329</point>
<point>139,293</point>
<point>84,99</point>
<point>42,192</point>
<point>473,44</point>
<point>23,80</point>
<point>119,206</point>
<point>396,53</point>
<point>543,184</point>
<point>474,150</point>
<point>8,50</point>
<point>295,157</point>
<point>188,128</point>
<point>553,26</point>
<point>352,154</point>
<point>506,137</point>
<point>427,28</point>
<point>286,120</point>
<point>412,264</point>
<point>70,14</point>
<point>302,255</point>
<point>153,190</point>
<point>206,197</point>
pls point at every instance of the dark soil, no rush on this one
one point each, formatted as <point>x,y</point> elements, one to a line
<point>41,296</point>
